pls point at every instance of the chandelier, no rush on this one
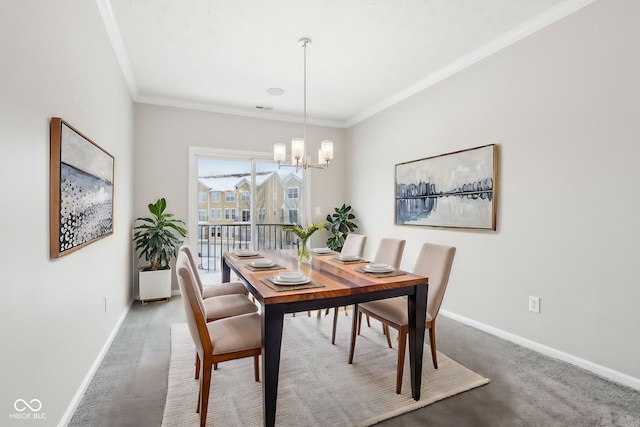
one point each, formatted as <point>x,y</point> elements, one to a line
<point>298,149</point>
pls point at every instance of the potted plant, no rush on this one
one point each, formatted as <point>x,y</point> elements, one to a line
<point>303,234</point>
<point>157,238</point>
<point>340,224</point>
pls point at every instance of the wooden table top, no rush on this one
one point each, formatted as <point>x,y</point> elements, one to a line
<point>338,279</point>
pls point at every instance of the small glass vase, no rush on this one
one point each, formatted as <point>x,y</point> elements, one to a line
<point>303,252</point>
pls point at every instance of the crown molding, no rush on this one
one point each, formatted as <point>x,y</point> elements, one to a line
<point>222,109</point>
<point>541,21</point>
<point>113,32</point>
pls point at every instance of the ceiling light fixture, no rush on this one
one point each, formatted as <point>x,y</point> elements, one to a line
<point>298,149</point>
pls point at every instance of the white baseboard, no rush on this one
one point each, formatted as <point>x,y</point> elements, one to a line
<point>66,417</point>
<point>600,370</point>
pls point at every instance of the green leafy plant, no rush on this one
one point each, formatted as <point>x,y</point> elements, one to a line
<point>156,237</point>
<point>340,224</point>
<point>303,234</point>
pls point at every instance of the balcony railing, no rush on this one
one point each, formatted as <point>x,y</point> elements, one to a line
<point>215,239</point>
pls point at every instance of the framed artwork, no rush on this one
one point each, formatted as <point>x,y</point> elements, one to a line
<point>81,190</point>
<point>456,190</point>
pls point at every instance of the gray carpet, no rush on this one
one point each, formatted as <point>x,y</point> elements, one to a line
<point>526,389</point>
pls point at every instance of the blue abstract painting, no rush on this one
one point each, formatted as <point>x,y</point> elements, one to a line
<point>450,190</point>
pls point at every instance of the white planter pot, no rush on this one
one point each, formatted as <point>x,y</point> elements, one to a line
<point>154,285</point>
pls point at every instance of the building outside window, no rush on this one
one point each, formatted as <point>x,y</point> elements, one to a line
<point>227,213</point>
<point>202,215</point>
<point>262,214</point>
<point>233,214</point>
<point>229,196</point>
<point>246,216</point>
<point>244,196</point>
<point>215,197</point>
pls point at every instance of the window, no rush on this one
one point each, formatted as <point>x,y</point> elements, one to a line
<point>293,216</point>
<point>229,196</point>
<point>227,213</point>
<point>262,214</point>
<point>215,197</point>
<point>292,192</point>
<point>202,215</point>
<point>216,231</point>
<point>202,197</point>
<point>233,214</point>
<point>244,196</point>
<point>246,217</point>
<point>215,213</point>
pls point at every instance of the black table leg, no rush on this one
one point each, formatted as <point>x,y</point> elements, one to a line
<point>417,309</point>
<point>272,321</point>
<point>226,271</point>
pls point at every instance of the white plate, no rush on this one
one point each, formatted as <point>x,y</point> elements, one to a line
<point>263,263</point>
<point>290,276</point>
<point>349,258</point>
<point>246,253</point>
<point>378,268</point>
<point>321,251</point>
<point>275,279</point>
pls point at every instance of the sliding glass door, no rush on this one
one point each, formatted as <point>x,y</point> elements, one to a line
<point>241,201</point>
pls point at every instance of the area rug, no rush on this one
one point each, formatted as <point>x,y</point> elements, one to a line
<point>317,386</point>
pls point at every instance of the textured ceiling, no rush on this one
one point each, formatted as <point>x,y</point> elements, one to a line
<point>222,55</point>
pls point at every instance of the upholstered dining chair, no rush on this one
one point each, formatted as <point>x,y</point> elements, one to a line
<point>353,245</point>
<point>226,339</point>
<point>227,288</point>
<point>434,262</point>
<point>389,252</point>
<point>220,306</point>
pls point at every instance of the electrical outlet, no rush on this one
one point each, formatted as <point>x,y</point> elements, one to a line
<point>534,304</point>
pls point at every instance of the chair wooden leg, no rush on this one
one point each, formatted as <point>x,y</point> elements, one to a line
<point>256,368</point>
<point>346,310</point>
<point>215,366</point>
<point>432,343</point>
<point>368,321</point>
<point>197,366</point>
<point>402,345</point>
<point>335,325</point>
<point>359,321</point>
<point>385,330</point>
<point>205,386</point>
<point>355,327</point>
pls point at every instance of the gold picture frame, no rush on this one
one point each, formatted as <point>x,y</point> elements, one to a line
<point>452,190</point>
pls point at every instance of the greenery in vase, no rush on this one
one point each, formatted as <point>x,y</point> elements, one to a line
<point>340,224</point>
<point>156,236</point>
<point>303,234</point>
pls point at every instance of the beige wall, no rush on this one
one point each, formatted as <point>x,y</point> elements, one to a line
<point>563,106</point>
<point>57,61</point>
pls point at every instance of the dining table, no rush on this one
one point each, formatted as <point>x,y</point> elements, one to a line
<point>333,283</point>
